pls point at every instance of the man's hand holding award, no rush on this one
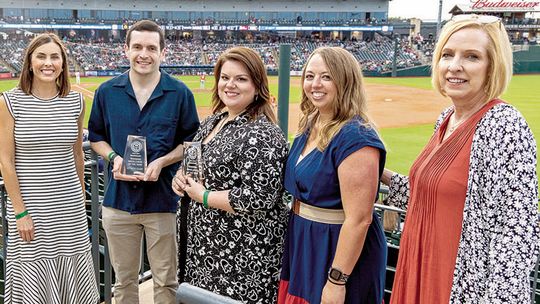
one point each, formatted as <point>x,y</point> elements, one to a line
<point>133,165</point>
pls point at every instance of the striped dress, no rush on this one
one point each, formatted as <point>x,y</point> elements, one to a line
<point>56,267</point>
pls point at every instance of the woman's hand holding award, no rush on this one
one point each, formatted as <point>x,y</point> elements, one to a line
<point>193,163</point>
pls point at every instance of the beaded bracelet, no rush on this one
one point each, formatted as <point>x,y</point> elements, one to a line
<point>21,215</point>
<point>205,198</point>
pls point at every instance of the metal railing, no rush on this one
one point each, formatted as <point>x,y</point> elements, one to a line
<point>393,237</point>
<point>189,294</point>
<point>100,252</point>
<point>100,249</point>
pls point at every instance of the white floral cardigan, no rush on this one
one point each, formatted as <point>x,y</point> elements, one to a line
<point>499,240</point>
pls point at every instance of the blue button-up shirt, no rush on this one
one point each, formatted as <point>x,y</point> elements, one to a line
<point>167,119</point>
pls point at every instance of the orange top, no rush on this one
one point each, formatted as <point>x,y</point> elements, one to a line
<point>438,183</point>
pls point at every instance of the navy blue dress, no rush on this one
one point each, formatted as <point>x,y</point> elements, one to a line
<point>310,246</point>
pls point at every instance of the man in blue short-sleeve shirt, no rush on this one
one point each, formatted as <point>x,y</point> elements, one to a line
<point>144,101</point>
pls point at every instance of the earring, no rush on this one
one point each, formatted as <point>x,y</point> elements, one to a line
<point>30,69</point>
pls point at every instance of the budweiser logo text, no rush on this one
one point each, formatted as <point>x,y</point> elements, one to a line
<point>476,4</point>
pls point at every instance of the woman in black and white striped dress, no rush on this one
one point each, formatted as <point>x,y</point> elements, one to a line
<point>48,251</point>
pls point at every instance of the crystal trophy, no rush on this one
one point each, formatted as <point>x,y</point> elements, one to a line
<point>135,155</point>
<point>193,162</point>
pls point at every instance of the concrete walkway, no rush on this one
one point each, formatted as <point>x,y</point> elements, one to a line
<point>146,293</point>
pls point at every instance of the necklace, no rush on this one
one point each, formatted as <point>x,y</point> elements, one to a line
<point>465,117</point>
<point>457,124</point>
<point>454,127</point>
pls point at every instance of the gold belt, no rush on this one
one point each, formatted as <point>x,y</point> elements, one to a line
<point>316,214</point>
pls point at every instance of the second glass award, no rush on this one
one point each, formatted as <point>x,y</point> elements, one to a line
<point>193,162</point>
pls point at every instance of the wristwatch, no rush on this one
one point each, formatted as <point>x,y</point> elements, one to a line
<point>337,275</point>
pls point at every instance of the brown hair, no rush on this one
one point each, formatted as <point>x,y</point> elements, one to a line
<point>147,26</point>
<point>350,99</point>
<point>27,75</point>
<point>257,72</point>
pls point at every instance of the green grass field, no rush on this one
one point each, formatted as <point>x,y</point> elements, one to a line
<point>403,144</point>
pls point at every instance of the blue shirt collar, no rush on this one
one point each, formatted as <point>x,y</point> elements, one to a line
<point>165,84</point>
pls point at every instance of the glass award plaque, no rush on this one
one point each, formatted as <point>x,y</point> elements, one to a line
<point>193,162</point>
<point>135,155</point>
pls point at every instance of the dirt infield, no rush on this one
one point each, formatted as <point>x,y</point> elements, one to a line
<point>398,106</point>
<point>388,105</point>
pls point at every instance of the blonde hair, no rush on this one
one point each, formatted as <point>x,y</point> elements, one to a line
<point>350,100</point>
<point>27,75</point>
<point>499,53</point>
<point>254,65</point>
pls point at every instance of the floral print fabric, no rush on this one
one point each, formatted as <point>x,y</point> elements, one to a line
<point>239,255</point>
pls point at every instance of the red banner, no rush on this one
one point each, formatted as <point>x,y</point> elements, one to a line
<point>5,75</point>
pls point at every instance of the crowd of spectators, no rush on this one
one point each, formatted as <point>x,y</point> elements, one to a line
<point>97,56</point>
<point>267,50</point>
<point>249,20</point>
<point>11,52</point>
<point>424,45</point>
<point>93,55</point>
<point>374,56</point>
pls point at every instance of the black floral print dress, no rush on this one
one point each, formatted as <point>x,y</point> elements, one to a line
<point>239,255</point>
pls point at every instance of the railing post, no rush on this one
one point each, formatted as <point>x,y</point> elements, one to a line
<point>107,274</point>
<point>284,76</point>
<point>107,268</point>
<point>94,200</point>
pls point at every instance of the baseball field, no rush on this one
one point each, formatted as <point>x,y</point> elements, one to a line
<point>404,109</point>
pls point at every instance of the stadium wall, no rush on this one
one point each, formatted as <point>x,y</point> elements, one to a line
<point>207,6</point>
<point>418,71</point>
<point>527,67</point>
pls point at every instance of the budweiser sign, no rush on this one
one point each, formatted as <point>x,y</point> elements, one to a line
<point>505,5</point>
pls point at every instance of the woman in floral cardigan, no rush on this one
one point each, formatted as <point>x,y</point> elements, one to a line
<point>471,233</point>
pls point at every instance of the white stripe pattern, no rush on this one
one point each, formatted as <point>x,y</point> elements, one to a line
<point>56,267</point>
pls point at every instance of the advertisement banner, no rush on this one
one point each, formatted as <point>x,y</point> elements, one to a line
<point>504,6</point>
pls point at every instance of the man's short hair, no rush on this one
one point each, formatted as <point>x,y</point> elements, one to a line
<point>147,26</point>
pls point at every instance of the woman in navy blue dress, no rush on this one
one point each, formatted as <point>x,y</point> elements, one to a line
<point>335,249</point>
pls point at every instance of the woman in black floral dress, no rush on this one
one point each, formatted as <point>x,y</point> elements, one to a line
<point>236,218</point>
